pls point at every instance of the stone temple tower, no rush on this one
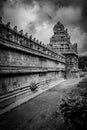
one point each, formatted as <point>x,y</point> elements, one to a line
<point>60,42</point>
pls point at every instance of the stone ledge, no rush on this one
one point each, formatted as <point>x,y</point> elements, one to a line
<point>13,45</point>
<point>25,69</point>
<point>28,97</point>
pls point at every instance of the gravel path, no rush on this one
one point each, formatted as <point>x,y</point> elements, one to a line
<point>38,113</point>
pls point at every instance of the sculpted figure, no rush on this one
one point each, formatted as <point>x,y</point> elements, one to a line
<point>8,25</point>
<point>21,32</point>
<point>15,28</point>
<point>26,35</point>
<point>30,37</point>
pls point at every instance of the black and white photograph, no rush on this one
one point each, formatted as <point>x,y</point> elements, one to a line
<point>43,64</point>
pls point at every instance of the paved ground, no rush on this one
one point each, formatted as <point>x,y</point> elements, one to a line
<point>38,113</point>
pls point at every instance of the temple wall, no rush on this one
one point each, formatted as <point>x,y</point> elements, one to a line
<point>21,65</point>
<point>20,69</point>
<point>14,82</point>
<point>14,58</point>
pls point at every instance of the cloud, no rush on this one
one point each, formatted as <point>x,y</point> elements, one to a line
<point>20,14</point>
<point>78,36</point>
<point>37,17</point>
<point>83,53</point>
<point>68,15</point>
<point>44,32</point>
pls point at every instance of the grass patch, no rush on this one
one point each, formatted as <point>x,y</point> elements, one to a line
<point>73,107</point>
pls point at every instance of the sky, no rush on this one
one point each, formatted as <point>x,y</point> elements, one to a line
<point>37,17</point>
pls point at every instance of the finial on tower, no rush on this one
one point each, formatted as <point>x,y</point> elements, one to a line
<point>0,19</point>
<point>58,27</point>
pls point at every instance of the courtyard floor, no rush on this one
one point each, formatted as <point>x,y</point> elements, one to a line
<point>38,113</point>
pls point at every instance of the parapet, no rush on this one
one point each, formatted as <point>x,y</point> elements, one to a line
<point>21,39</point>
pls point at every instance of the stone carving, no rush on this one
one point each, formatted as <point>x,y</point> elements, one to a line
<point>9,35</point>
<point>58,27</point>
<point>40,42</point>
<point>15,28</point>
<point>30,37</point>
<point>38,48</point>
<point>66,30</point>
<point>75,47</point>
<point>37,41</point>
<point>21,32</point>
<point>31,45</point>
<point>13,35</point>
<point>44,49</point>
<point>8,25</point>
<point>34,39</point>
<point>21,41</point>
<point>26,35</point>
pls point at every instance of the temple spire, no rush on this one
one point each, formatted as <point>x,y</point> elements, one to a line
<point>58,27</point>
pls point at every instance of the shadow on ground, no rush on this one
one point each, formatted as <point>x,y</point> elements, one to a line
<point>40,113</point>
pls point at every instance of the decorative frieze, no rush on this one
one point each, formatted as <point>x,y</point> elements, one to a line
<point>22,39</point>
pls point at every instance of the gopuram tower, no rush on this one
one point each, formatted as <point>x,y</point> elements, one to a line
<point>60,42</point>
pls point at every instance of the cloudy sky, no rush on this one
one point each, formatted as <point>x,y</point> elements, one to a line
<point>37,17</point>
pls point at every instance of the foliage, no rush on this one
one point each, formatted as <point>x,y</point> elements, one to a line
<point>82,62</point>
<point>73,108</point>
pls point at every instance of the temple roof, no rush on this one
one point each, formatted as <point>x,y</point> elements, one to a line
<point>58,27</point>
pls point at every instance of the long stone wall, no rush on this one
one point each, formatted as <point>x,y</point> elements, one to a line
<point>23,61</point>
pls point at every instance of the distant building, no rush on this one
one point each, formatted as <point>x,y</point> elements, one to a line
<point>60,43</point>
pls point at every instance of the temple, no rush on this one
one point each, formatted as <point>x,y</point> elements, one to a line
<point>26,64</point>
<point>60,43</point>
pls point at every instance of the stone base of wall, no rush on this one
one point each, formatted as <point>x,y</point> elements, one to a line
<point>14,98</point>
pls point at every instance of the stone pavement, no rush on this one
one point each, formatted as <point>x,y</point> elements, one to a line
<point>36,113</point>
<point>30,96</point>
<point>70,82</point>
